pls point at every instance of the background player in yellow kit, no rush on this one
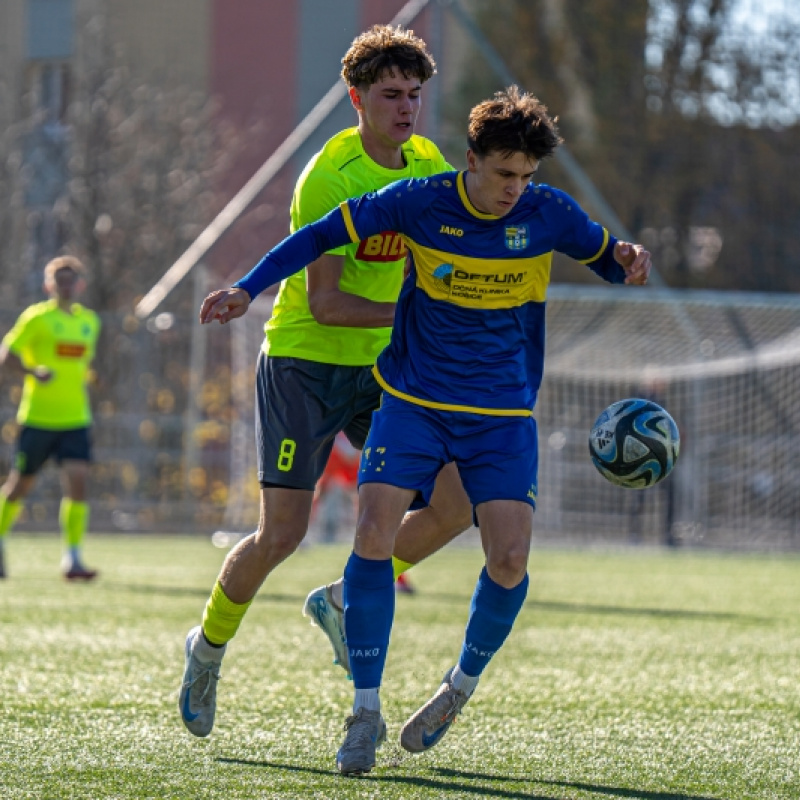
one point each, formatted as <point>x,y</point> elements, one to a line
<point>53,343</point>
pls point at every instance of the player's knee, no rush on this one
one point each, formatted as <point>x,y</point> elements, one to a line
<point>373,540</point>
<point>508,568</point>
<point>275,543</point>
<point>17,486</point>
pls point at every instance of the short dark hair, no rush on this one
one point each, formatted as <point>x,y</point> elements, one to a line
<point>381,50</point>
<point>513,121</point>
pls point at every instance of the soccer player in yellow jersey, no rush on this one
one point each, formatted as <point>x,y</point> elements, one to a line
<point>314,375</point>
<point>53,344</point>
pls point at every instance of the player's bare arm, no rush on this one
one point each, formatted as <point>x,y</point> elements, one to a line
<point>329,305</point>
<point>7,358</point>
<point>224,305</point>
<point>635,260</point>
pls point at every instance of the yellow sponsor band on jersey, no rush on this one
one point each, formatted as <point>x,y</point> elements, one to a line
<point>600,251</point>
<point>490,412</point>
<point>348,222</point>
<point>481,283</point>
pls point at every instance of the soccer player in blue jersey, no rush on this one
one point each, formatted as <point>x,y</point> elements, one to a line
<point>460,379</point>
<point>314,374</point>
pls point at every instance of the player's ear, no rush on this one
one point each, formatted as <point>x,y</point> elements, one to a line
<point>472,161</point>
<point>355,98</point>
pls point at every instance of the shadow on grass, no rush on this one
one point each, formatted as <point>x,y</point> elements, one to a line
<point>671,613</point>
<point>459,599</point>
<point>636,794</point>
<point>461,789</point>
<point>193,591</point>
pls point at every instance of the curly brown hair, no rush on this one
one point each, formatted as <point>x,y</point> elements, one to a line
<point>512,122</point>
<point>383,49</point>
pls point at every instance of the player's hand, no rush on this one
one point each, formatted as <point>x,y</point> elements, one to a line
<point>224,305</point>
<point>635,260</point>
<point>42,374</point>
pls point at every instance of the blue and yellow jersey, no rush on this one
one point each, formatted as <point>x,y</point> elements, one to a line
<point>372,268</point>
<point>470,322</point>
<point>44,335</point>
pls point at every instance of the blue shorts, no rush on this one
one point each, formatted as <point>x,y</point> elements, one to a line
<point>497,457</point>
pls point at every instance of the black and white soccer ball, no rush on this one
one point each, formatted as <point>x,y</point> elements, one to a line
<point>634,443</point>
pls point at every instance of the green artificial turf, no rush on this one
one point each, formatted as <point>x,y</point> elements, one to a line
<point>630,674</point>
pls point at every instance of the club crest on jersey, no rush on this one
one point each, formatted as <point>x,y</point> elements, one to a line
<point>517,237</point>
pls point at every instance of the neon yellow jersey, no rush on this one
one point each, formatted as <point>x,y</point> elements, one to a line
<point>372,268</point>
<point>44,335</point>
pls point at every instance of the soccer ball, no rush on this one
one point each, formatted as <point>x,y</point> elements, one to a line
<point>634,443</point>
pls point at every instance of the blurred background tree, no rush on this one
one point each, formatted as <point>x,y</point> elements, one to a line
<point>122,171</point>
<point>683,114</point>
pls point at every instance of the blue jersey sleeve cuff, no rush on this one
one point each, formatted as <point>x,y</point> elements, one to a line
<point>295,252</point>
<point>606,266</point>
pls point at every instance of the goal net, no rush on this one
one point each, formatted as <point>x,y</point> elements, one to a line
<point>727,368</point>
<point>246,336</point>
<point>725,365</point>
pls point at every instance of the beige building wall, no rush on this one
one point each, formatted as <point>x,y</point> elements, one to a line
<point>159,41</point>
<point>169,41</point>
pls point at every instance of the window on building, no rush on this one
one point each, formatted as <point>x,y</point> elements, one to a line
<point>48,89</point>
<point>49,46</point>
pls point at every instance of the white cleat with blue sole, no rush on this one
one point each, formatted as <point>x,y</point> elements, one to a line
<point>322,611</point>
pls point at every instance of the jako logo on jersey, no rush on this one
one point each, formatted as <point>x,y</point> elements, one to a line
<point>372,652</point>
<point>517,237</point>
<point>451,231</point>
<point>70,349</point>
<point>386,246</point>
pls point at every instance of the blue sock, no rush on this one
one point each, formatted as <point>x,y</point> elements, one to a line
<point>368,616</point>
<point>491,617</point>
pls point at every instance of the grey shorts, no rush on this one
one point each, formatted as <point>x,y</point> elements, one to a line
<point>300,407</point>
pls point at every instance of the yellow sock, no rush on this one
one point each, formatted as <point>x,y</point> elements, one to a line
<point>9,511</point>
<point>73,516</point>
<point>400,566</point>
<point>222,616</point>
